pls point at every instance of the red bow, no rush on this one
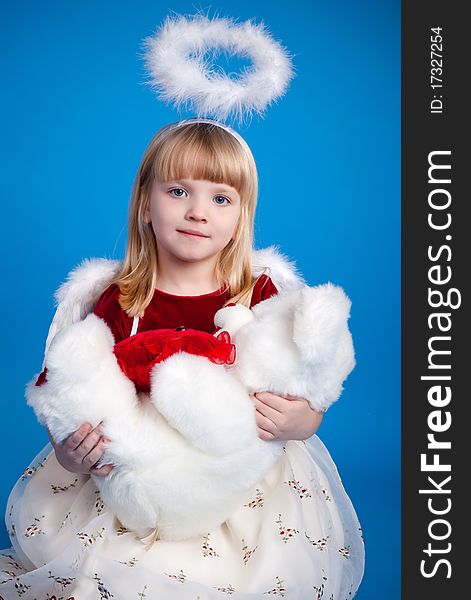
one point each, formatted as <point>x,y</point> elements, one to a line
<point>137,354</point>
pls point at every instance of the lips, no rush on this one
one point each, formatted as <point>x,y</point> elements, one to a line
<point>192,232</point>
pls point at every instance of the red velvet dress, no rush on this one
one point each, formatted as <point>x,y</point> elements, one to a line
<point>168,311</point>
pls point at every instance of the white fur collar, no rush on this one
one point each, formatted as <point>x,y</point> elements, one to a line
<point>281,270</point>
<point>77,296</point>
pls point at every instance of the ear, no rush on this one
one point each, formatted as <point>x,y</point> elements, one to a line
<point>320,321</point>
<point>232,318</point>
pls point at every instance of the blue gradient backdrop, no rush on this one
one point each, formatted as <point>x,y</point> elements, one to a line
<point>76,118</point>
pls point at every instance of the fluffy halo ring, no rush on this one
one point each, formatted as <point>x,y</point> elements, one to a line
<point>179,70</point>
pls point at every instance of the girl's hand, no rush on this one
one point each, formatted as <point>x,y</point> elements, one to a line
<point>80,452</point>
<point>284,418</point>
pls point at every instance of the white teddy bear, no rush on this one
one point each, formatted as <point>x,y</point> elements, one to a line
<point>187,455</point>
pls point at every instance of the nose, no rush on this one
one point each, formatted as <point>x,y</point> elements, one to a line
<point>197,210</point>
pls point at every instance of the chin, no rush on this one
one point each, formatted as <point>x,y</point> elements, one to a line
<point>196,257</point>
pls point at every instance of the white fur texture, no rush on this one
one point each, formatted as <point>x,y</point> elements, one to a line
<point>176,58</point>
<point>278,267</point>
<point>297,344</point>
<point>183,467</point>
<point>77,296</point>
<point>186,456</point>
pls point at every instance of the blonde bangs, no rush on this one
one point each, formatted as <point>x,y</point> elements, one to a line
<point>202,152</point>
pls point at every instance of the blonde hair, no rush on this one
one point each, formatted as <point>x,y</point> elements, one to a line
<point>190,151</point>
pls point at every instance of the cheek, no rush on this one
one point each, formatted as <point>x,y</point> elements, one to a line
<point>235,221</point>
<point>227,227</point>
<point>160,217</point>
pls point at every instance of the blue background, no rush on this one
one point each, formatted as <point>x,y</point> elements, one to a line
<point>76,117</point>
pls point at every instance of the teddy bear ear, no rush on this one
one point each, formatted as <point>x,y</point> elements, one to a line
<point>232,318</point>
<point>320,320</point>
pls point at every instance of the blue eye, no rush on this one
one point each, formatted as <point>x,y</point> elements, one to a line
<point>222,198</point>
<point>177,190</point>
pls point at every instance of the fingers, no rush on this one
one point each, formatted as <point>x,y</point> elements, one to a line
<point>265,423</point>
<point>267,430</point>
<point>88,444</point>
<point>266,427</point>
<point>295,420</point>
<point>74,440</point>
<point>265,435</point>
<point>101,471</point>
<point>266,410</point>
<point>275,402</point>
<point>82,450</point>
<point>91,459</point>
<point>85,447</point>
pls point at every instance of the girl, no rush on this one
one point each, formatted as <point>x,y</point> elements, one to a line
<point>190,252</point>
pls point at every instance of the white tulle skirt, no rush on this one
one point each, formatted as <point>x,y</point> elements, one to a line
<point>297,536</point>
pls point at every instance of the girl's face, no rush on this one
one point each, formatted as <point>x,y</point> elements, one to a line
<point>193,220</point>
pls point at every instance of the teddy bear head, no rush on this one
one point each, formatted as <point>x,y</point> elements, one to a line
<point>296,343</point>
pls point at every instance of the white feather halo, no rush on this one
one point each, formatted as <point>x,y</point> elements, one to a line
<point>176,59</point>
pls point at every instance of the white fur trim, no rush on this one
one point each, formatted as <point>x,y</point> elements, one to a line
<point>77,296</point>
<point>180,72</point>
<point>282,270</point>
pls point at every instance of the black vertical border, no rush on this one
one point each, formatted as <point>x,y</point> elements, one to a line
<point>422,133</point>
